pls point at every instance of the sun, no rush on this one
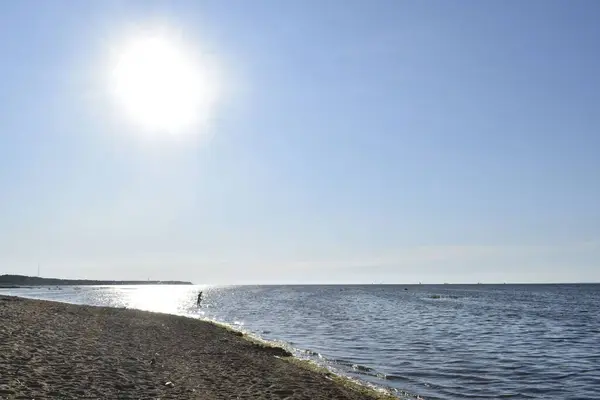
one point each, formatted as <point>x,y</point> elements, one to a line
<point>161,86</point>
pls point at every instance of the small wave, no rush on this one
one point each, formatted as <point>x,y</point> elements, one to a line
<point>311,353</point>
<point>362,368</point>
<point>397,378</point>
<point>342,362</point>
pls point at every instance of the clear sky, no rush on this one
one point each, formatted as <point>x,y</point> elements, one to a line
<point>353,141</point>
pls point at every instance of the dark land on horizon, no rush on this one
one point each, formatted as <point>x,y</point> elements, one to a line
<point>22,280</point>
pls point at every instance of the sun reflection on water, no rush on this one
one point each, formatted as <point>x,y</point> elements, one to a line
<point>159,298</point>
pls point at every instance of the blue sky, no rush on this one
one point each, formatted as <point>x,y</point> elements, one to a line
<point>355,141</point>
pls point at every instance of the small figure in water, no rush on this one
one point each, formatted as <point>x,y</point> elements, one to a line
<point>199,298</point>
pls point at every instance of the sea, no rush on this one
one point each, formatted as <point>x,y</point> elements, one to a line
<point>429,341</point>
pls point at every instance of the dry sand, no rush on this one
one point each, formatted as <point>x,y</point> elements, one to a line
<point>56,350</point>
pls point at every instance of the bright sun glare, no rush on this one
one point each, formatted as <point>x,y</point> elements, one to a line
<point>161,86</point>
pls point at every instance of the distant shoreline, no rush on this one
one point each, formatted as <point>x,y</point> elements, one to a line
<point>16,281</point>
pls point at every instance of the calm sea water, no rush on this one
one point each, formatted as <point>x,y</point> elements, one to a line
<point>438,342</point>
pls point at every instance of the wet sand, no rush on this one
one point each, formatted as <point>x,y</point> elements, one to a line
<point>55,350</point>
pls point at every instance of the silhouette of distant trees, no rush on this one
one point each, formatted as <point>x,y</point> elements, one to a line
<point>22,280</point>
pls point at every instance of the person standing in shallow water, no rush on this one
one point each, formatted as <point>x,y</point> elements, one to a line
<point>199,298</point>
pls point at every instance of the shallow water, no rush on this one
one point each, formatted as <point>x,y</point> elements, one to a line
<point>439,342</point>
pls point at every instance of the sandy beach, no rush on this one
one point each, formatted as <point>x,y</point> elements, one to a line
<point>56,350</point>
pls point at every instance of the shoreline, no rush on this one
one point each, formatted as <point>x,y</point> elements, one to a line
<point>51,349</point>
<point>24,280</point>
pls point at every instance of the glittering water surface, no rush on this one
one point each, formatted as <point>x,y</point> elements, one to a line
<point>439,342</point>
